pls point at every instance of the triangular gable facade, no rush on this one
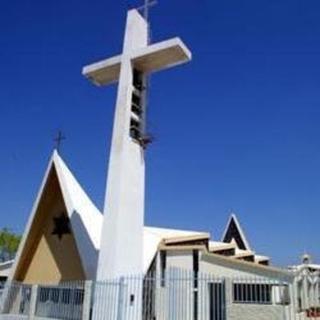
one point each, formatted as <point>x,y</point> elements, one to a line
<point>234,233</point>
<point>61,239</point>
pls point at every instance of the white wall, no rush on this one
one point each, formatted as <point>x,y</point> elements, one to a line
<point>180,259</point>
<point>211,270</point>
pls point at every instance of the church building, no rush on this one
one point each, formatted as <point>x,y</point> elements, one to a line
<point>67,238</point>
<point>62,239</point>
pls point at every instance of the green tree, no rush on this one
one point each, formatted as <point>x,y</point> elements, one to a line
<point>9,243</point>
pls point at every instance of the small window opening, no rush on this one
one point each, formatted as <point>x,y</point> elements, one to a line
<point>137,79</point>
<point>163,266</point>
<point>136,104</point>
<point>135,131</point>
<point>131,299</point>
<point>256,293</point>
<point>136,99</point>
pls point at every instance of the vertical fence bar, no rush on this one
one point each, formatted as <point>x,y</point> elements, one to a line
<point>120,300</point>
<point>33,301</point>
<point>86,310</point>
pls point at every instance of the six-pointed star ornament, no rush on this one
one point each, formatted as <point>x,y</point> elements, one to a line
<point>61,226</point>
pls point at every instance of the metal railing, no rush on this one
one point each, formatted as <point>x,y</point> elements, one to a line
<point>60,302</point>
<point>16,298</point>
<point>176,294</point>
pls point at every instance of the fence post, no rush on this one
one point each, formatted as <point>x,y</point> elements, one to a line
<point>120,310</point>
<point>33,301</point>
<point>86,311</point>
<point>228,289</point>
<point>292,300</point>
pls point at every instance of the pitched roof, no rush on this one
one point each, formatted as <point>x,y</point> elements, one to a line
<point>234,232</point>
<point>222,247</point>
<point>153,237</point>
<point>85,218</point>
<point>261,270</point>
<point>78,201</point>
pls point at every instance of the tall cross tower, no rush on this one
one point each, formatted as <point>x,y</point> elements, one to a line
<point>121,250</point>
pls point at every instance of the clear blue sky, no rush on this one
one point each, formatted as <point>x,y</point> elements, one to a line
<point>236,129</point>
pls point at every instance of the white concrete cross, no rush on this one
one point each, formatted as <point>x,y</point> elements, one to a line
<point>146,58</point>
<point>121,251</point>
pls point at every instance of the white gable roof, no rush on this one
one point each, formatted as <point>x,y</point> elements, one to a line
<point>85,218</point>
<point>154,236</point>
<point>77,201</point>
<point>233,219</point>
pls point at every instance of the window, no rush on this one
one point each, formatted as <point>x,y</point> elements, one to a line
<point>78,296</point>
<point>136,104</point>
<point>259,293</point>
<point>44,294</point>
<point>135,129</point>
<point>138,79</point>
<point>2,282</point>
<point>54,295</point>
<point>136,99</point>
<point>66,296</point>
<point>136,109</point>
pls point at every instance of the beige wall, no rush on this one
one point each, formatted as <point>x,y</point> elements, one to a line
<point>46,258</point>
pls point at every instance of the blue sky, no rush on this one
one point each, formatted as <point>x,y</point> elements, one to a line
<point>236,129</point>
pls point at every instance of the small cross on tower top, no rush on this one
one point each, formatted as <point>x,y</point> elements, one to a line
<point>58,140</point>
<point>146,8</point>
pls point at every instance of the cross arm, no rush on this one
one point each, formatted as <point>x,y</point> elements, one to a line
<point>104,72</point>
<point>162,55</point>
<point>149,59</point>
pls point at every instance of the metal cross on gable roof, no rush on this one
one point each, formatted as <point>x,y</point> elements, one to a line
<point>58,140</point>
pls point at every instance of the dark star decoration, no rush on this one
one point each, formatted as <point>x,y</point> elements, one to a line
<point>61,226</point>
